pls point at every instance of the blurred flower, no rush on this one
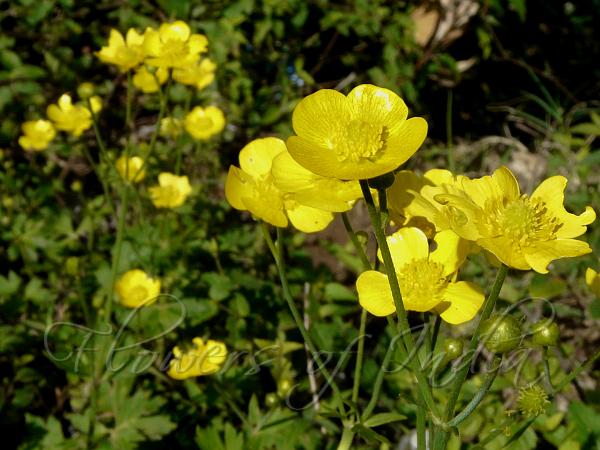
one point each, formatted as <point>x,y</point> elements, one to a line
<point>251,188</point>
<point>524,232</point>
<point>95,104</point>
<point>202,123</point>
<point>171,191</point>
<point>130,169</point>
<point>37,134</point>
<point>310,189</point>
<point>173,45</point>
<point>135,288</point>
<point>149,82</point>
<point>125,53</point>
<point>73,119</point>
<point>426,279</point>
<point>202,359</point>
<point>359,136</point>
<point>592,279</point>
<point>85,90</point>
<point>171,127</point>
<point>200,74</point>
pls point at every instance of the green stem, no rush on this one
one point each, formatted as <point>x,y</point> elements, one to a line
<point>359,356</point>
<point>436,331</point>
<point>379,380</point>
<point>547,371</point>
<point>346,440</point>
<point>421,426</point>
<point>354,239</point>
<point>585,366</point>
<point>488,308</point>
<point>116,257</point>
<point>278,253</point>
<point>478,397</point>
<point>403,325</point>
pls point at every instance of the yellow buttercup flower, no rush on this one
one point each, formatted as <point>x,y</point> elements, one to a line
<point>202,359</point>
<point>171,127</point>
<point>200,74</point>
<point>592,279</point>
<point>171,192</point>
<point>202,123</point>
<point>73,119</point>
<point>362,135</point>
<point>125,53</point>
<point>130,169</point>
<point>136,288</point>
<point>173,45</point>
<point>37,134</point>
<point>426,278</point>
<point>524,232</point>
<point>310,189</point>
<point>149,82</point>
<point>252,188</point>
<point>95,104</point>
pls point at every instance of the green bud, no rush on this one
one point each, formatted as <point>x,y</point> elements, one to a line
<point>271,399</point>
<point>453,349</point>
<point>532,401</point>
<point>72,265</point>
<point>545,332</point>
<point>85,90</point>
<point>501,333</point>
<point>283,387</point>
<point>382,182</point>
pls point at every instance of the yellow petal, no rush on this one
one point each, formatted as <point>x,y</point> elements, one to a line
<point>309,220</point>
<point>439,176</point>
<point>237,185</point>
<point>505,250</point>
<point>543,253</point>
<point>271,212</point>
<point>178,31</point>
<point>593,281</point>
<point>404,142</point>
<point>377,105</point>
<point>256,158</point>
<point>374,293</point>
<point>318,114</point>
<point>451,251</point>
<point>551,192</point>
<point>289,176</point>
<point>465,300</point>
<point>407,244</point>
<point>462,215</point>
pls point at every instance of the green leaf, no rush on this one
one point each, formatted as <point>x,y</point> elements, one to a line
<point>382,419</point>
<point>9,285</point>
<point>369,435</point>
<point>586,420</point>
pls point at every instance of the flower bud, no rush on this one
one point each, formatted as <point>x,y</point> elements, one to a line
<point>501,333</point>
<point>85,90</point>
<point>545,332</point>
<point>532,401</point>
<point>453,349</point>
<point>271,399</point>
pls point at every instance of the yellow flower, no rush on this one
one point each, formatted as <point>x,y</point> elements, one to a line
<point>202,123</point>
<point>130,169</point>
<point>135,288</point>
<point>171,192</point>
<point>73,119</point>
<point>426,278</point>
<point>362,135</point>
<point>37,134</point>
<point>171,127</point>
<point>200,74</point>
<point>310,189</point>
<point>592,279</point>
<point>125,53</point>
<point>524,232</point>
<point>203,359</point>
<point>173,45</point>
<point>251,188</point>
<point>149,82</point>
<point>95,104</point>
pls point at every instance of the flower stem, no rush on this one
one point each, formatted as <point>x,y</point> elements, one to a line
<point>116,257</point>
<point>354,239</point>
<point>359,356</point>
<point>403,325</point>
<point>476,400</point>
<point>547,371</point>
<point>488,308</point>
<point>379,380</point>
<point>277,252</point>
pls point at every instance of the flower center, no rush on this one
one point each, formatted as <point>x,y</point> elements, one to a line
<point>359,140</point>
<point>174,48</point>
<point>523,221</point>
<point>204,123</point>
<point>421,281</point>
<point>140,295</point>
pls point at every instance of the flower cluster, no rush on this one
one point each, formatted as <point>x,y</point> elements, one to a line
<point>65,116</point>
<point>340,140</point>
<point>171,51</point>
